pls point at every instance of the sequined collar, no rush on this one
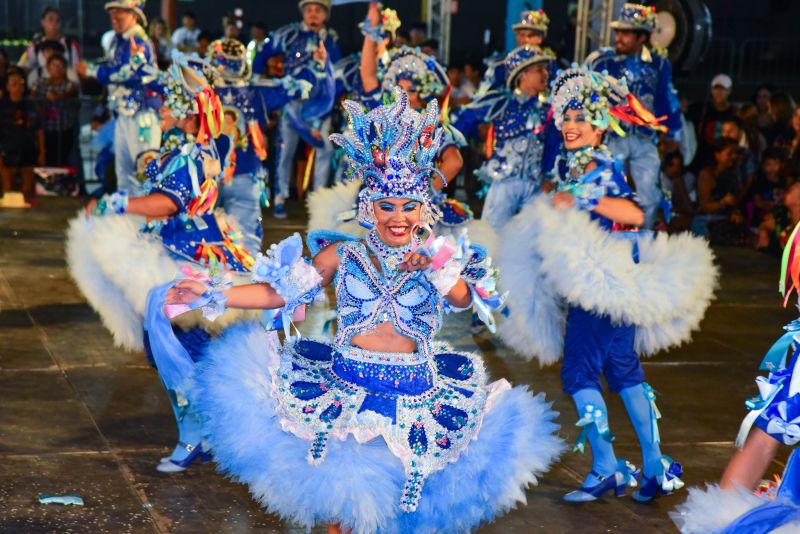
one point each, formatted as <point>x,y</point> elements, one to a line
<point>390,257</point>
<point>577,160</point>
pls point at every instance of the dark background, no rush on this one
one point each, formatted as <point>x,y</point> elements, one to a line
<point>754,42</point>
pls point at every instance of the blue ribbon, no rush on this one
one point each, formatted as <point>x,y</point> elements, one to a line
<point>592,415</point>
<point>776,356</point>
<point>655,415</point>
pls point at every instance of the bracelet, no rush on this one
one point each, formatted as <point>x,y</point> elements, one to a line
<point>287,272</point>
<point>375,33</point>
<point>116,203</point>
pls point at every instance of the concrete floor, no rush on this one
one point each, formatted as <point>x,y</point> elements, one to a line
<point>80,416</point>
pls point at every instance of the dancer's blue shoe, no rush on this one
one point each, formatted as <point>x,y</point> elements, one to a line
<point>624,476</point>
<point>196,452</point>
<point>662,484</point>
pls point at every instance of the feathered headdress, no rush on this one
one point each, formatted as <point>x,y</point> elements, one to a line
<point>604,98</point>
<point>188,90</point>
<point>393,150</point>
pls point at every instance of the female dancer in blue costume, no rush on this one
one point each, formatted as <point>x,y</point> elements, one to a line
<point>379,430</point>
<point>625,292</point>
<point>125,246</point>
<point>733,507</point>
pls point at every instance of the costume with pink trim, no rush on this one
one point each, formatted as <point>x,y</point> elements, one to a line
<point>300,424</point>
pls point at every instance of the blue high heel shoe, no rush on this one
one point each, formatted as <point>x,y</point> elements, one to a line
<point>652,487</point>
<point>168,465</point>
<point>625,475</point>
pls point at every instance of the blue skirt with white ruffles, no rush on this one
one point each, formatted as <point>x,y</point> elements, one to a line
<point>359,485</point>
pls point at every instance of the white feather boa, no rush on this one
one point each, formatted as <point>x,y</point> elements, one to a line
<point>713,509</point>
<point>326,204</point>
<point>548,257</point>
<point>115,267</point>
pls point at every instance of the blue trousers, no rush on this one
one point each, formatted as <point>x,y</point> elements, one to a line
<point>505,199</point>
<point>594,346</point>
<point>641,155</point>
<point>240,197</point>
<point>287,146</point>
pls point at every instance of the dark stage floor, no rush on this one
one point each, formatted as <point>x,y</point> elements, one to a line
<point>78,415</point>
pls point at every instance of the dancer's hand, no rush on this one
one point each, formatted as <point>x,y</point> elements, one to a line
<point>562,199</point>
<point>321,53</point>
<point>414,261</point>
<point>185,292</point>
<point>374,13</point>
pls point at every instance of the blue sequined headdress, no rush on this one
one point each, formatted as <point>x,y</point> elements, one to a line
<point>523,57</point>
<point>393,150</point>
<point>228,57</point>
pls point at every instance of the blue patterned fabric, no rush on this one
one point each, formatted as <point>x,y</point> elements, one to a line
<point>131,86</point>
<point>524,148</point>
<point>366,298</point>
<point>297,44</point>
<point>649,81</point>
<point>178,175</point>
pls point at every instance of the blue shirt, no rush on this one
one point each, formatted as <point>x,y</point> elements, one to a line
<point>649,81</point>
<point>129,77</point>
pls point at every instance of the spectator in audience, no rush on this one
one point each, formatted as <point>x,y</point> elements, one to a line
<point>186,38</point>
<point>232,30</point>
<point>203,40</point>
<point>761,101</point>
<point>748,115</point>
<point>745,163</point>
<point>58,100</point>
<point>708,117</point>
<point>430,47</point>
<point>781,109</point>
<point>455,76</point>
<point>47,50</point>
<point>162,43</point>
<point>472,77</point>
<point>258,32</point>
<point>21,135</point>
<point>777,227</point>
<point>791,145</point>
<point>34,57</point>
<point>673,179</point>
<point>718,214</point>
<point>417,34</point>
<point>769,186</point>
<point>687,139</point>
<point>403,38</point>
<point>4,63</point>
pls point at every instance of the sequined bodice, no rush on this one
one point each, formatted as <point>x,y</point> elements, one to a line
<point>366,297</point>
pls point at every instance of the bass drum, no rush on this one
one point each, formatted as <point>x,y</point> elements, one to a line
<point>684,28</point>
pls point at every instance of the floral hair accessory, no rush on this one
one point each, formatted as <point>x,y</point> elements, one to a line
<point>393,150</point>
<point>427,75</point>
<point>636,17</point>
<point>605,99</point>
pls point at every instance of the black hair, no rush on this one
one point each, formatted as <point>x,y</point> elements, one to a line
<point>405,34</point>
<point>735,120</point>
<point>259,24</point>
<point>419,26</point>
<point>431,43</point>
<point>768,86</point>
<point>190,14</point>
<point>718,145</point>
<point>57,57</point>
<point>55,46</point>
<point>669,158</point>
<point>773,153</point>
<point>204,35</point>
<point>49,9</point>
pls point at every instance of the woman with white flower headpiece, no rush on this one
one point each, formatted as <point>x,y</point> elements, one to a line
<point>586,285</point>
<point>376,431</point>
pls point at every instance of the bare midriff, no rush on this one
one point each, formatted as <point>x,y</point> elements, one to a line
<point>384,338</point>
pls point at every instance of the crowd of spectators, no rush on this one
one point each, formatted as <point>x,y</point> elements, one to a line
<point>735,177</point>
